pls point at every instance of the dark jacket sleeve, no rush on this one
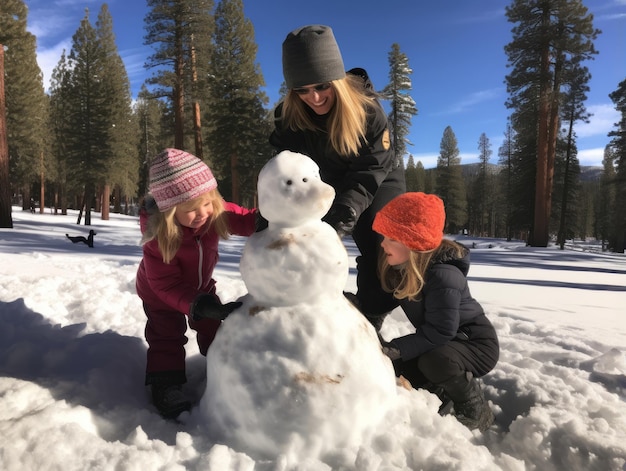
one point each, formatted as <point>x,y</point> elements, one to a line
<point>370,168</point>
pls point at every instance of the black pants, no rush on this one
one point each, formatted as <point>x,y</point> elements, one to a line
<point>479,355</point>
<point>373,301</point>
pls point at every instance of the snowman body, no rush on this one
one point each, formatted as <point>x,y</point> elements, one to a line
<point>297,353</point>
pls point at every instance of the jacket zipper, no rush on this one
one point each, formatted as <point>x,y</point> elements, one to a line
<point>200,252</point>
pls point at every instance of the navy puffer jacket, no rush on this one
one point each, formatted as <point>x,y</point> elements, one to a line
<point>444,309</point>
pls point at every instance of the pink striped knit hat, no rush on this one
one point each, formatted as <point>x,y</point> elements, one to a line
<point>177,176</point>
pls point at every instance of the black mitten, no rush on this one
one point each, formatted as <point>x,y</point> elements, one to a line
<point>208,306</point>
<point>389,349</point>
<point>260,223</point>
<point>342,218</point>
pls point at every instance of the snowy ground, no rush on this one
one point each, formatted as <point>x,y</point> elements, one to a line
<point>72,359</point>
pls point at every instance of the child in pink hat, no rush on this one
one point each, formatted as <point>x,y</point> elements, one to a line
<point>182,220</point>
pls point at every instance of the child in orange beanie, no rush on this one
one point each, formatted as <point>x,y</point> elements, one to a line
<point>454,343</point>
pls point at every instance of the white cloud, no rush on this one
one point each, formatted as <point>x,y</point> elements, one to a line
<point>591,157</point>
<point>428,160</point>
<point>45,23</point>
<point>471,100</point>
<point>49,58</point>
<point>603,119</point>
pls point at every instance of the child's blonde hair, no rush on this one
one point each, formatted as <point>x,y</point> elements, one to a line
<point>347,122</point>
<point>408,280</point>
<point>163,226</point>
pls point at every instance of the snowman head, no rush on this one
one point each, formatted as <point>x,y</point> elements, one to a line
<point>291,191</point>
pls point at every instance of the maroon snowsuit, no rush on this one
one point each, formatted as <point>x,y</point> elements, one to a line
<point>168,289</point>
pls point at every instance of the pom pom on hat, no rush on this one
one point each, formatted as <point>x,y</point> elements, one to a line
<point>311,55</point>
<point>177,176</point>
<point>414,219</point>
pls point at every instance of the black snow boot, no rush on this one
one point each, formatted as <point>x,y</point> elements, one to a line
<point>470,406</point>
<point>446,403</point>
<point>169,400</point>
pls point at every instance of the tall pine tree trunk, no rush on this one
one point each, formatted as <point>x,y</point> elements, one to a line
<point>197,128</point>
<point>178,98</point>
<point>553,130</point>
<point>106,196</point>
<point>540,227</point>
<point>6,221</point>
<point>234,172</point>
<point>42,186</point>
<point>562,235</point>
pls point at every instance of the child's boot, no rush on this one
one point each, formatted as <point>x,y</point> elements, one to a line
<point>470,406</point>
<point>170,400</point>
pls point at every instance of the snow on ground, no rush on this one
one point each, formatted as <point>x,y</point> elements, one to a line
<point>72,359</point>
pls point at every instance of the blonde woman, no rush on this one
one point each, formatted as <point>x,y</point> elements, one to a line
<point>453,342</point>
<point>334,118</point>
<point>182,220</point>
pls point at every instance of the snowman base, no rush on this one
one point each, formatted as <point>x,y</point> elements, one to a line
<point>290,380</point>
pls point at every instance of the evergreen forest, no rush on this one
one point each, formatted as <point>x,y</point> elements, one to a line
<point>86,142</point>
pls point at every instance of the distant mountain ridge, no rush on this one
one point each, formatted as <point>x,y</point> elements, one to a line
<point>587,172</point>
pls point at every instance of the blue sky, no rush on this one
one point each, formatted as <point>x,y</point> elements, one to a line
<point>455,48</point>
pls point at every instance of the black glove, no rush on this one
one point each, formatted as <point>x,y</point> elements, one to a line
<point>208,306</point>
<point>342,218</point>
<point>260,223</point>
<point>389,349</point>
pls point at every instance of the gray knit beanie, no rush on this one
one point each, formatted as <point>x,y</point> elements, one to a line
<point>311,55</point>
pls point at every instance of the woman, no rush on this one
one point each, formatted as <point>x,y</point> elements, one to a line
<point>336,120</point>
<point>453,342</point>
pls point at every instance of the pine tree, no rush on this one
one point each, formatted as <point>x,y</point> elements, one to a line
<point>122,138</point>
<point>523,162</point>
<point>410,175</point>
<point>482,192</point>
<point>450,185</point>
<point>421,178</point>
<point>549,35</point>
<point>402,104</point>
<point>25,101</point>
<point>153,136</point>
<point>585,209</point>
<point>89,146</point>
<point>6,221</point>
<point>60,100</point>
<point>180,30</point>
<point>572,110</point>
<point>617,240</point>
<point>605,202</point>
<point>239,123</point>
<point>506,153</point>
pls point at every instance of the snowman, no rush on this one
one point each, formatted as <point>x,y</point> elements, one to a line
<point>297,365</point>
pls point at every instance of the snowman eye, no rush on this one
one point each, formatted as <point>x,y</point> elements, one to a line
<point>305,179</point>
<point>289,182</point>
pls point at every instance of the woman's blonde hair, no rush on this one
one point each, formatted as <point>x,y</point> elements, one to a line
<point>347,122</point>
<point>165,229</point>
<point>407,281</point>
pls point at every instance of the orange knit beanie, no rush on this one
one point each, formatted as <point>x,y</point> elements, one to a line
<point>414,219</point>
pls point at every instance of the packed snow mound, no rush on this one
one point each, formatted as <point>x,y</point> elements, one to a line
<point>297,353</point>
<point>307,373</point>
